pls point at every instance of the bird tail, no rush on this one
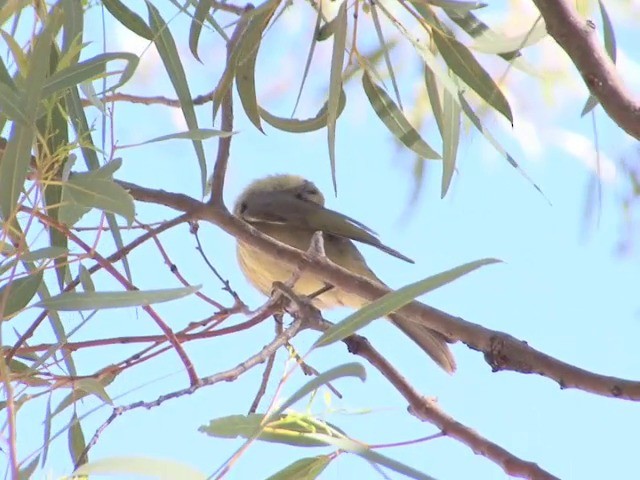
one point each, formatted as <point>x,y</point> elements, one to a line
<point>433,343</point>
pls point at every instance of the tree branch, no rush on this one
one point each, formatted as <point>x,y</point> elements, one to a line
<point>577,37</point>
<point>501,351</point>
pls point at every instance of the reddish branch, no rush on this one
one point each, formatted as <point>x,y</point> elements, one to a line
<point>577,37</point>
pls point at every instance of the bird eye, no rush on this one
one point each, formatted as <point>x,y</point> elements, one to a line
<point>243,207</point>
<point>313,191</point>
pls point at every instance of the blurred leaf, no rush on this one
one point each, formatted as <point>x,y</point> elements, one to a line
<point>128,18</point>
<point>394,301</point>
<point>293,125</point>
<point>17,154</point>
<point>202,9</point>
<point>457,6</point>
<point>77,443</point>
<point>28,470</point>
<point>395,120</point>
<point>200,134</point>
<point>85,279</point>
<point>46,440</point>
<point>73,26</point>
<point>291,429</point>
<point>248,54</point>
<point>5,76</point>
<point>475,120</point>
<point>18,53</point>
<point>434,97</point>
<point>304,469</point>
<point>371,456</point>
<point>611,49</point>
<point>171,59</point>
<point>335,85</point>
<point>93,387</point>
<point>89,190</point>
<point>11,106</point>
<point>18,293</point>
<point>387,59</point>
<point>307,64</point>
<point>462,62</point>
<point>140,466</point>
<point>490,42</point>
<point>42,253</point>
<point>90,69</point>
<point>73,301</point>
<point>346,370</point>
<point>450,138</point>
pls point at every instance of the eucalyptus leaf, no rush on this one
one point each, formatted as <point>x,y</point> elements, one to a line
<point>74,301</point>
<point>394,301</point>
<point>16,294</point>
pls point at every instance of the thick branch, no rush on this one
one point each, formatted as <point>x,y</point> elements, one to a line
<point>577,37</point>
<point>501,351</point>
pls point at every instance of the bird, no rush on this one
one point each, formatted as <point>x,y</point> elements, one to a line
<point>290,209</point>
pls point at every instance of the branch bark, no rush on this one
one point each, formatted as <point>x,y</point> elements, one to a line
<point>578,38</point>
<point>501,351</point>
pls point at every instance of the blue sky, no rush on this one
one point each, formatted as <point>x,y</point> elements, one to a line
<point>566,292</point>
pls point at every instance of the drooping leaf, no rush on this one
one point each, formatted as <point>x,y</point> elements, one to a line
<point>303,469</point>
<point>450,138</point>
<point>128,18</point>
<point>335,85</point>
<point>139,467</point>
<point>168,51</point>
<point>395,120</point>
<point>293,125</point>
<point>462,62</point>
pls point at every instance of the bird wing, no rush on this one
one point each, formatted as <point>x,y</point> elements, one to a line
<point>284,208</point>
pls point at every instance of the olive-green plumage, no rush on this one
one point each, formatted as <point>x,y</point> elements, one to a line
<point>291,209</point>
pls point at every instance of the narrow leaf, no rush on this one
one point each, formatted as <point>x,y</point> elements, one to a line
<point>462,62</point>
<point>450,138</point>
<point>304,469</point>
<point>77,443</point>
<point>346,370</point>
<point>200,134</point>
<point>335,85</point>
<point>140,466</point>
<point>293,125</point>
<point>395,120</point>
<point>128,18</point>
<point>171,59</point>
<point>393,301</point>
<point>17,294</point>
<point>74,301</point>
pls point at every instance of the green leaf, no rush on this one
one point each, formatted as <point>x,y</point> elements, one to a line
<point>74,301</point>
<point>171,58</point>
<point>90,69</point>
<point>85,279</point>
<point>10,104</point>
<point>434,97</point>
<point>395,120</point>
<point>87,190</point>
<point>17,154</point>
<point>291,429</point>
<point>304,469</point>
<point>77,443</point>
<point>307,65</point>
<point>130,19</point>
<point>201,11</point>
<point>140,466</point>
<point>46,252</point>
<point>457,6</point>
<point>462,62</point>
<point>293,125</point>
<point>387,59</point>
<point>73,25</point>
<point>611,49</point>
<point>246,60</point>
<point>490,42</point>
<point>346,370</point>
<point>93,387</point>
<point>16,294</point>
<point>450,138</point>
<point>475,120</point>
<point>394,301</point>
<point>335,84</point>
<point>200,134</point>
